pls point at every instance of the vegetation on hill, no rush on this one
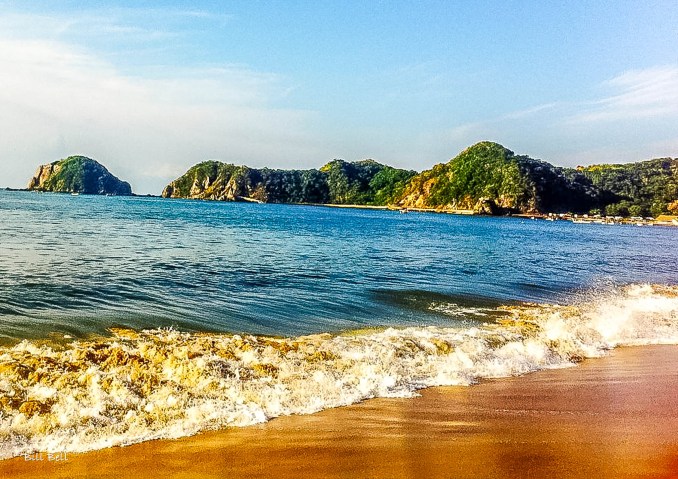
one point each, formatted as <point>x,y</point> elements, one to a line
<point>647,188</point>
<point>486,178</point>
<point>338,182</point>
<point>78,174</point>
<point>489,178</point>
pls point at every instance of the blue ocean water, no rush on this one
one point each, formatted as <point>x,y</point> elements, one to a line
<point>112,309</point>
<point>77,265</point>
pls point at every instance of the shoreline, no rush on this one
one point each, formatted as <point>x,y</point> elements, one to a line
<point>569,217</point>
<point>608,417</point>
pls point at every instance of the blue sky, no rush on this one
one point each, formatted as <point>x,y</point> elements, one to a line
<point>151,88</point>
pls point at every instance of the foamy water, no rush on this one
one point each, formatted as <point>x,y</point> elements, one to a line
<point>136,386</point>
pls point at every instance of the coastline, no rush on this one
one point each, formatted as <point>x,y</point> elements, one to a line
<point>581,219</point>
<point>609,417</point>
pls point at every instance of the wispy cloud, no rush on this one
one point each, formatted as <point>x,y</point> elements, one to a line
<point>636,94</point>
<point>634,119</point>
<point>94,25</point>
<point>114,30</point>
<point>528,112</point>
<point>203,14</point>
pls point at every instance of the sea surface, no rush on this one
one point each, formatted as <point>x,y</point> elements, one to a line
<point>79,265</point>
<point>124,319</point>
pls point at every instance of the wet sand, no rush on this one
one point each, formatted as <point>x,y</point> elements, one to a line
<point>610,417</point>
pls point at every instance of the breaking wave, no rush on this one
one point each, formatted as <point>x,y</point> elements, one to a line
<point>136,386</point>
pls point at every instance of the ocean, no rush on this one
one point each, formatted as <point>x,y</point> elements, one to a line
<point>125,319</point>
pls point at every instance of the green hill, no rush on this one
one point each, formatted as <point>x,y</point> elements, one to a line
<point>646,188</point>
<point>78,174</point>
<point>488,178</point>
<point>485,178</point>
<point>338,182</point>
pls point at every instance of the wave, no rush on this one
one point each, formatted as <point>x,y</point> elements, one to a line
<point>141,385</point>
<point>467,307</point>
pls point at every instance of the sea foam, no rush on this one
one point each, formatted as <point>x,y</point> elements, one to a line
<point>136,386</point>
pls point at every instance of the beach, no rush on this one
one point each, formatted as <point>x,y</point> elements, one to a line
<point>257,337</point>
<point>615,416</point>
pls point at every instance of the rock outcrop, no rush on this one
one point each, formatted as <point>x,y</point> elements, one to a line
<point>78,174</point>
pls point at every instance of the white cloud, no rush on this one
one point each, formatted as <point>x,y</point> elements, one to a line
<point>58,100</point>
<point>529,112</point>
<point>128,24</point>
<point>636,95</point>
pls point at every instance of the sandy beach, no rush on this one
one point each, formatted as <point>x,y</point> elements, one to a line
<point>610,417</point>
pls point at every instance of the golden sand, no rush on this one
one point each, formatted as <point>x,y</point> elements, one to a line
<point>611,417</point>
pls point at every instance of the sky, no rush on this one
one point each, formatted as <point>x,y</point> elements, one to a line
<point>151,88</point>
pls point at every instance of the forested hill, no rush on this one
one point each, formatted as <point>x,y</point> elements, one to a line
<point>338,182</point>
<point>78,174</point>
<point>646,188</point>
<point>486,178</point>
<point>491,179</point>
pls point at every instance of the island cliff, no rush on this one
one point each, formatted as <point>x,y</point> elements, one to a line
<point>78,174</point>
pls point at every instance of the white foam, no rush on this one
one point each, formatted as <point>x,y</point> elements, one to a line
<point>456,311</point>
<point>146,385</point>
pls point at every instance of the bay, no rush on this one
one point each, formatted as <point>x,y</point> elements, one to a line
<point>78,265</point>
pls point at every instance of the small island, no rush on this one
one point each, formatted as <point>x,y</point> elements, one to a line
<point>78,174</point>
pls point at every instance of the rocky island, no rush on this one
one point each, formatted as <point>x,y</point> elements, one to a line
<point>78,174</point>
<point>485,178</point>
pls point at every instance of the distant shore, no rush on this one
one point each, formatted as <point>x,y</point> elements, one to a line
<point>584,219</point>
<point>575,218</point>
<point>609,417</point>
<point>394,208</point>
